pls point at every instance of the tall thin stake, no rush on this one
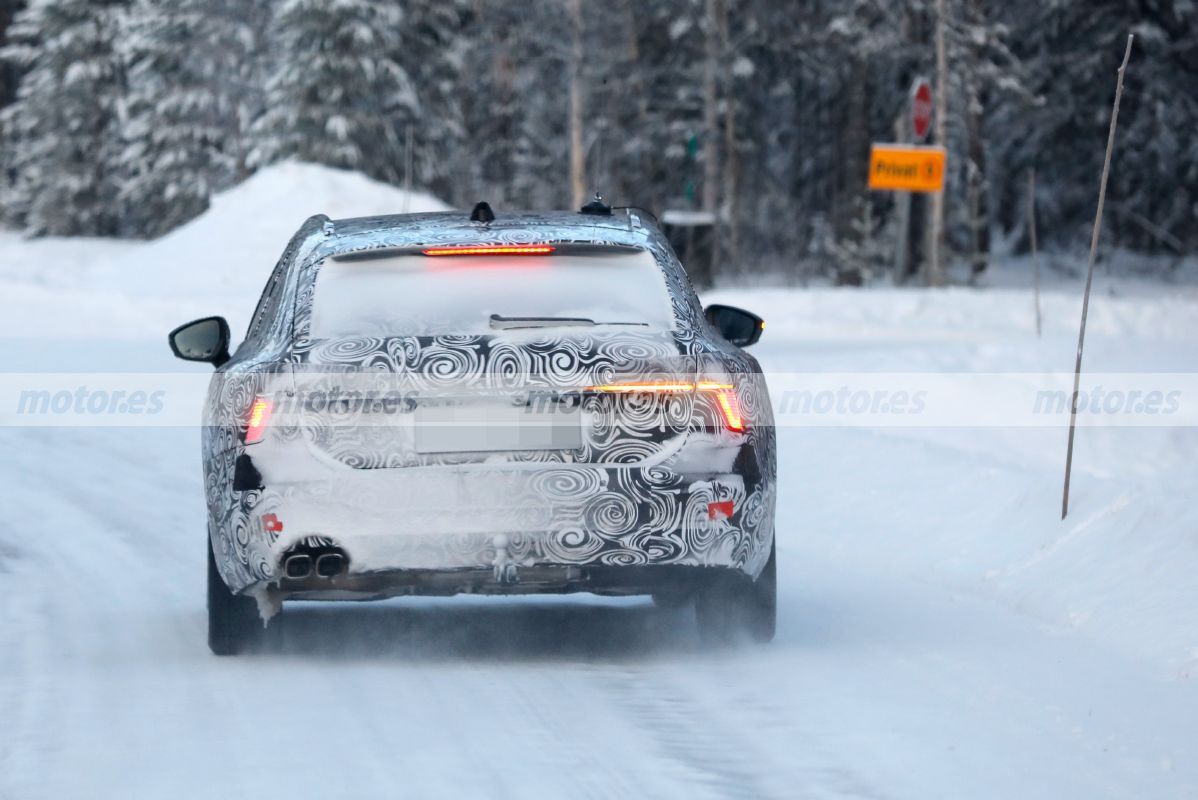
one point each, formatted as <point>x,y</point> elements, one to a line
<point>1081,336</point>
<point>936,232</point>
<point>1031,227</point>
<point>574,119</point>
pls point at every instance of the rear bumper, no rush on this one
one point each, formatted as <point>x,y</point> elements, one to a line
<point>454,529</point>
<point>672,579</point>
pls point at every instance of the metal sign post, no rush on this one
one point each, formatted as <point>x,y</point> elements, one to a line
<point>913,125</point>
<point>921,109</point>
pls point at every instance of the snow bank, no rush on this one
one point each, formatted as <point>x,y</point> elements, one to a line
<point>978,509</point>
<point>236,243</point>
<point>215,264</point>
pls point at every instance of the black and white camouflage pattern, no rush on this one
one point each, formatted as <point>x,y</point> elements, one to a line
<point>628,496</point>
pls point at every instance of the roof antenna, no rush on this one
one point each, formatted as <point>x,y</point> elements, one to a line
<point>596,207</point>
<point>482,212</point>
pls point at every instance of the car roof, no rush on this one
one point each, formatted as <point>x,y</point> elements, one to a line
<point>557,224</point>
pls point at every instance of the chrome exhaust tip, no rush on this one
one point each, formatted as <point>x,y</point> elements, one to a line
<point>298,566</point>
<point>329,565</point>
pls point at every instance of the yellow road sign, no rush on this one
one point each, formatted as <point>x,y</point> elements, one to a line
<point>906,168</point>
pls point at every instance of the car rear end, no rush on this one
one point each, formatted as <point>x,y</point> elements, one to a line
<point>536,417</point>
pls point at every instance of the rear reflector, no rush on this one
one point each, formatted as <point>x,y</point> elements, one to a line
<point>725,394</point>
<point>720,510</point>
<point>259,417</point>
<point>493,250</point>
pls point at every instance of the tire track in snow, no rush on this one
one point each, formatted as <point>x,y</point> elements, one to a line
<point>578,736</point>
<point>707,739</point>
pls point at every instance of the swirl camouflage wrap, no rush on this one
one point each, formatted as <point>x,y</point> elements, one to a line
<point>652,478</point>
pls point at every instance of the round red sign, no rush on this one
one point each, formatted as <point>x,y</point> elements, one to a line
<point>921,109</point>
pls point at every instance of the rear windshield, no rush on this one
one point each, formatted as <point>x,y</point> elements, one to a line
<point>417,295</point>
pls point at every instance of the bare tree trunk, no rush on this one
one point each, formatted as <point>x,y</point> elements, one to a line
<point>1081,335</point>
<point>635,88</point>
<point>854,160</point>
<point>979,201</point>
<point>577,155</point>
<point>1031,230</point>
<point>407,168</point>
<point>936,231</point>
<point>902,202</point>
<point>979,184</point>
<point>711,165</point>
<point>730,240</point>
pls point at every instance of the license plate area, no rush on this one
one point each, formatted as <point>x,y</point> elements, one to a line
<point>472,427</point>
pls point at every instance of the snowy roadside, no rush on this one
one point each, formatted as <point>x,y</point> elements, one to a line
<point>972,508</point>
<point>977,509</point>
<point>899,669</point>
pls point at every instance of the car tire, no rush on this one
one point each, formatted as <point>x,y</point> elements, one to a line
<point>732,607</point>
<point>233,620</point>
<point>763,606</point>
<point>671,599</point>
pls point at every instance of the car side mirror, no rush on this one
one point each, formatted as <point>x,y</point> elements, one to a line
<point>735,324</point>
<point>204,340</point>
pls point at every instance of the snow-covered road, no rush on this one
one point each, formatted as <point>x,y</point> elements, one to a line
<point>879,685</point>
<point>941,632</point>
<point>886,680</point>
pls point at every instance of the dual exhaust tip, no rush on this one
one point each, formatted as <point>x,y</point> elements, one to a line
<point>299,566</point>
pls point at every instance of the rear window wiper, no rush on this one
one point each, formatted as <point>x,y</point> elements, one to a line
<point>508,323</point>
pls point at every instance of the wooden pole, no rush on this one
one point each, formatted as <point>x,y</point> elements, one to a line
<point>711,165</point>
<point>1081,336</point>
<point>727,230</point>
<point>902,201</point>
<point>936,237</point>
<point>577,157</point>
<point>1031,228</point>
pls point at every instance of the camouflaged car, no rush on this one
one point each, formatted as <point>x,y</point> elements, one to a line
<point>443,403</point>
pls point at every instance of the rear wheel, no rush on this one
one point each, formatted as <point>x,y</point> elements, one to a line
<point>671,599</point>
<point>233,620</point>
<point>732,606</point>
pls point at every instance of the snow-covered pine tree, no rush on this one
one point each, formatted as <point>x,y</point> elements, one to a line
<point>826,82</point>
<point>191,75</point>
<point>1072,50</point>
<point>8,72</point>
<point>514,94</point>
<point>432,51</point>
<point>336,94</point>
<point>9,77</point>
<point>643,79</point>
<point>62,134</point>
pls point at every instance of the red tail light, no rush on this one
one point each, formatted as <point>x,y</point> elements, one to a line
<point>725,394</point>
<point>259,417</point>
<point>493,250</point>
<point>634,388</point>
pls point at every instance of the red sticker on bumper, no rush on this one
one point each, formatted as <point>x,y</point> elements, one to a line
<point>719,510</point>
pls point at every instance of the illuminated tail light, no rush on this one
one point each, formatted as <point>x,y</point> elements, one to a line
<point>493,250</point>
<point>259,417</point>
<point>635,388</point>
<point>725,395</point>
